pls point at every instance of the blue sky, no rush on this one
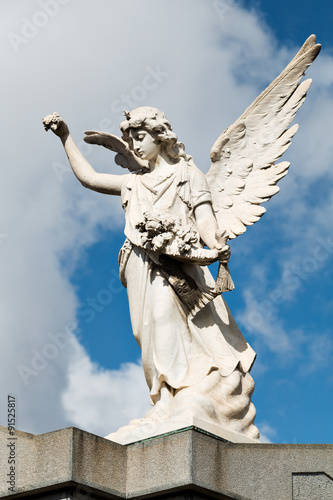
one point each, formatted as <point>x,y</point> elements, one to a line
<point>59,242</point>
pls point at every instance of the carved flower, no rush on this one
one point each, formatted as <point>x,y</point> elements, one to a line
<point>167,236</point>
<point>182,247</point>
<point>157,231</point>
<point>158,242</point>
<point>185,239</point>
<point>153,225</point>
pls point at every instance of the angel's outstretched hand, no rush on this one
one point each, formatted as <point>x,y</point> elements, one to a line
<point>56,124</point>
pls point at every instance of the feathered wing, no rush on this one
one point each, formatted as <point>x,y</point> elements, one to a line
<point>243,173</point>
<point>124,157</point>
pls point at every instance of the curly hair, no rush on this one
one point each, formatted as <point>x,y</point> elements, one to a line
<point>154,121</point>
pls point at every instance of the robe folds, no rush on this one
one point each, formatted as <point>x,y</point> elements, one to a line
<point>177,349</point>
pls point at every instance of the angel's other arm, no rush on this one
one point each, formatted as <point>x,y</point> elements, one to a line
<point>203,212</point>
<point>89,178</point>
<point>206,224</point>
<point>208,229</point>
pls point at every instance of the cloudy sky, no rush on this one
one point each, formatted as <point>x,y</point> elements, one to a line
<point>67,351</point>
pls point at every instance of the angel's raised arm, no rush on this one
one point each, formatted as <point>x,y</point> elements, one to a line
<point>89,178</point>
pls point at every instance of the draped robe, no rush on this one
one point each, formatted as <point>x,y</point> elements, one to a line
<point>177,349</point>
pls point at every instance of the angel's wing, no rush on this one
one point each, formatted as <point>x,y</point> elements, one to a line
<point>124,157</point>
<point>243,173</point>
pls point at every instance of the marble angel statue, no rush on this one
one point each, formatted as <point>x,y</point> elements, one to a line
<point>195,359</point>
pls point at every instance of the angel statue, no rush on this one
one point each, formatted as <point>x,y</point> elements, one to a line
<point>195,359</point>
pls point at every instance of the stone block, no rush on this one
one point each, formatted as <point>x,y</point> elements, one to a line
<point>190,464</point>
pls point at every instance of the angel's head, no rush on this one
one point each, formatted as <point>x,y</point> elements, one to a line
<point>148,133</point>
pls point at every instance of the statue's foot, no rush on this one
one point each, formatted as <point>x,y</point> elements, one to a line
<point>223,402</point>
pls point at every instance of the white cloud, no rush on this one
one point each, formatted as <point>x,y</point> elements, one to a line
<point>101,401</point>
<point>82,63</point>
<point>261,319</point>
<point>263,315</point>
<point>267,432</point>
<point>320,352</point>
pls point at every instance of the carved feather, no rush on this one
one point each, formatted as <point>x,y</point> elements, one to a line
<point>243,173</point>
<point>124,157</point>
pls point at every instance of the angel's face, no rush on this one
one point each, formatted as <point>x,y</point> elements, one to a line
<point>144,144</point>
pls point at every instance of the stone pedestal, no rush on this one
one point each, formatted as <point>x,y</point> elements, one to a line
<point>153,429</point>
<point>186,464</point>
